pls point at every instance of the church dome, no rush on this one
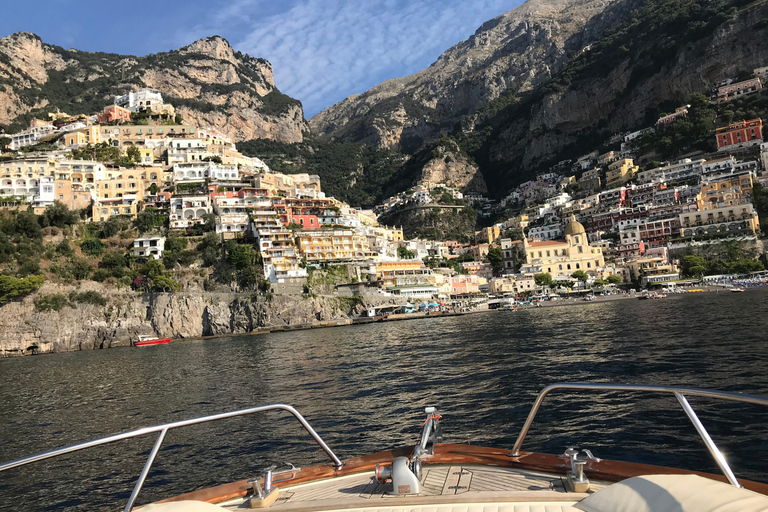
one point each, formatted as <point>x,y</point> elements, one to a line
<point>575,227</point>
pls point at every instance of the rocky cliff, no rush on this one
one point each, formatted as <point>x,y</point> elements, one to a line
<point>24,330</point>
<point>515,51</point>
<point>210,84</point>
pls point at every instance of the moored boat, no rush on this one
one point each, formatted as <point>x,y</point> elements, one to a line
<point>738,289</point>
<point>433,475</point>
<point>144,341</point>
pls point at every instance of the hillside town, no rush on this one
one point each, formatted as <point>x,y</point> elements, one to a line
<point>585,225</point>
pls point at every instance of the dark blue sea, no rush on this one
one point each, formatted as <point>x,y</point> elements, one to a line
<point>364,388</point>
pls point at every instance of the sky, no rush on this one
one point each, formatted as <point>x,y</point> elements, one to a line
<point>322,51</point>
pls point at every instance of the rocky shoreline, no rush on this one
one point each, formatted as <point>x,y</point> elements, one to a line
<point>24,330</point>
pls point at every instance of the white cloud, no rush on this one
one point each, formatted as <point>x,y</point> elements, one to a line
<point>325,50</point>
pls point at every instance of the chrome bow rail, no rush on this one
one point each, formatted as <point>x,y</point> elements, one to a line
<point>679,393</point>
<point>163,429</point>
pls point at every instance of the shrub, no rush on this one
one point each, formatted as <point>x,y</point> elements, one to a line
<point>80,269</point>
<point>101,275</point>
<point>55,302</point>
<point>12,288</point>
<point>89,297</point>
<point>92,247</point>
<point>64,248</point>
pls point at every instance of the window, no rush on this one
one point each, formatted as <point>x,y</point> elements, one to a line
<point>578,266</point>
<point>547,254</point>
<point>589,264</point>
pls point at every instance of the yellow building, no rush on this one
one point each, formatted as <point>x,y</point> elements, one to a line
<point>731,190</point>
<point>389,272</point>
<point>119,184</point>
<point>333,245</point>
<point>103,209</point>
<point>489,234</point>
<point>88,135</point>
<point>519,222</point>
<point>620,172</point>
<point>561,258</point>
<point>726,221</point>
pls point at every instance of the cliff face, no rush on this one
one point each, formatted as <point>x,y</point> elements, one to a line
<point>657,74</point>
<point>209,83</point>
<point>517,50</point>
<point>25,331</point>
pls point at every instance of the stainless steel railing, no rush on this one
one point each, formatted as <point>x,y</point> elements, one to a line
<point>163,429</point>
<point>678,392</point>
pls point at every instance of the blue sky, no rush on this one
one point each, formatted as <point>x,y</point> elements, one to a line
<point>322,50</point>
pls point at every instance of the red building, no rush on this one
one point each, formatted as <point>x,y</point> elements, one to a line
<point>114,113</point>
<point>740,133</point>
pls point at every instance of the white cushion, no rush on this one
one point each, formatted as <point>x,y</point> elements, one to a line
<point>673,493</point>
<point>181,506</point>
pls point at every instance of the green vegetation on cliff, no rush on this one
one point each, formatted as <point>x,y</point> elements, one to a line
<point>358,174</point>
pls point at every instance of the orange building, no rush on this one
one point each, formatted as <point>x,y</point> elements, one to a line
<point>114,113</point>
<point>741,133</point>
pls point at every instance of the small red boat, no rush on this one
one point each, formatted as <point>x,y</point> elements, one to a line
<point>150,340</point>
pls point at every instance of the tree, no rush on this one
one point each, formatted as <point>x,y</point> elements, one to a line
<point>4,143</point>
<point>613,279</point>
<point>544,279</point>
<point>693,266</point>
<point>58,215</point>
<point>133,154</point>
<point>241,256</point>
<point>494,257</point>
<point>405,254</point>
<point>148,220</point>
<point>92,247</point>
<point>580,275</point>
<point>153,189</point>
<point>26,225</point>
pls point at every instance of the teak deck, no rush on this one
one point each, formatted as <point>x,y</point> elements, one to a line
<point>535,474</point>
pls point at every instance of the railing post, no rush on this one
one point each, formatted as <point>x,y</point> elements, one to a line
<point>711,446</point>
<point>145,471</point>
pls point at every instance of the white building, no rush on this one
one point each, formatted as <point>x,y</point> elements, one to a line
<point>186,211</point>
<point>31,136</point>
<point>548,232</point>
<point>143,99</point>
<point>192,172</point>
<point>150,246</point>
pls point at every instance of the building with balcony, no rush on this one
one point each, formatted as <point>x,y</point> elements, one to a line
<point>187,211</point>
<point>333,245</point>
<point>462,284</point>
<point>31,136</point>
<point>737,220</point>
<point>103,208</point>
<point>513,284</point>
<point>734,90</point>
<point>722,191</point>
<point>148,247</point>
<point>280,257</point>
<point>199,172</point>
<point>740,134</point>
<point>620,172</point>
<point>143,100</point>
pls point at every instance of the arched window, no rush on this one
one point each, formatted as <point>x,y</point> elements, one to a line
<point>559,267</point>
<point>569,266</point>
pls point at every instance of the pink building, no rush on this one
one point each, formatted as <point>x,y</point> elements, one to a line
<point>464,284</point>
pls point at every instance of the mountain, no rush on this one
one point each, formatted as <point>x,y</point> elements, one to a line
<point>208,82</point>
<point>554,79</point>
<point>518,51</point>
